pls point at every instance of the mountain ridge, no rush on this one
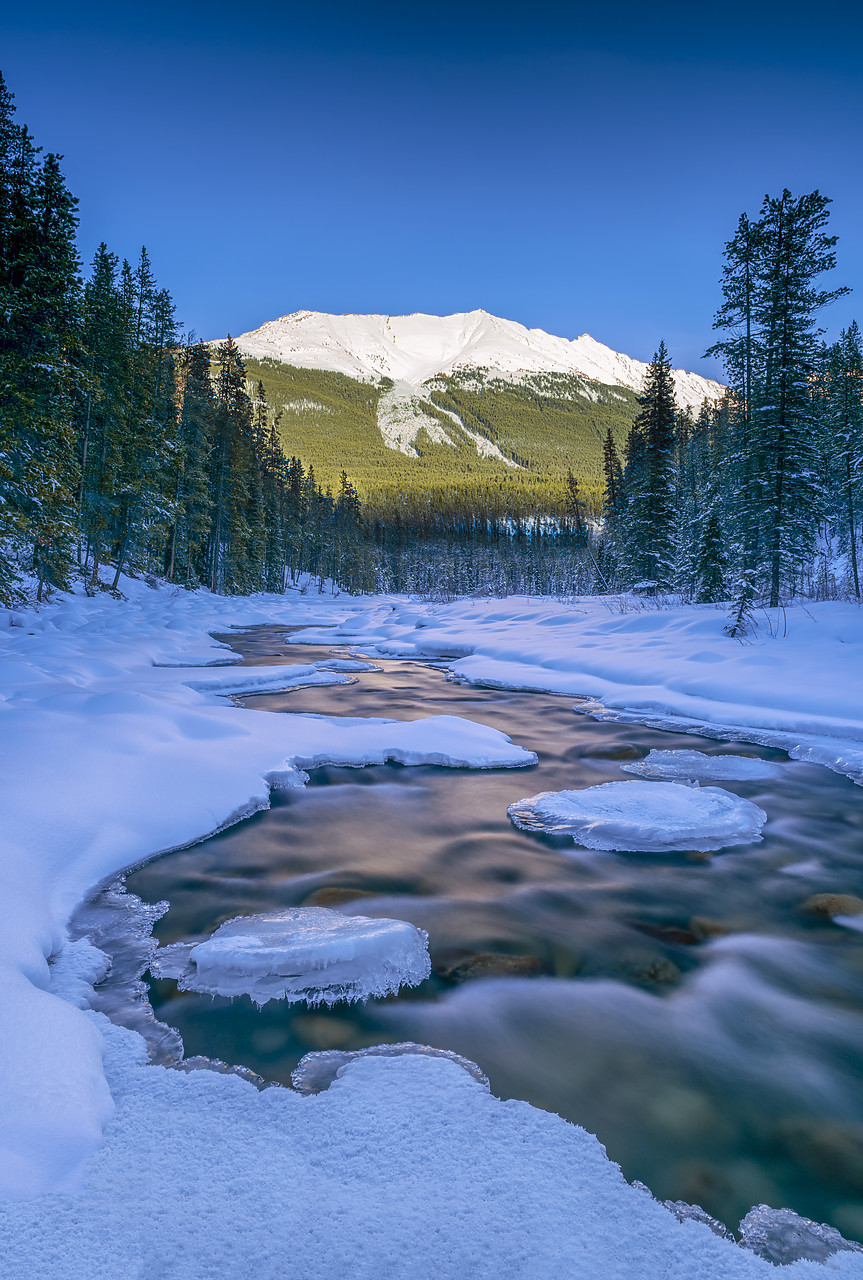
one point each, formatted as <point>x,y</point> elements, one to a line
<point>415,349</point>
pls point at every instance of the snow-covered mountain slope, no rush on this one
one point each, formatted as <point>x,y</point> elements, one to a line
<point>415,348</point>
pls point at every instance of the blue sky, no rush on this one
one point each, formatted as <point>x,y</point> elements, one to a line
<point>571,167</point>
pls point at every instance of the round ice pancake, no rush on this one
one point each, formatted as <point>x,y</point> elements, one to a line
<point>648,817</point>
<point>670,765</point>
<point>302,953</point>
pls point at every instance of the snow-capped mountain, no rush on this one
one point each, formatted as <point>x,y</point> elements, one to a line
<point>412,349</point>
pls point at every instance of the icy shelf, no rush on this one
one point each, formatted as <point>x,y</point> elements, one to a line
<point>671,765</point>
<point>303,953</point>
<point>316,1071</point>
<point>782,1236</point>
<point>647,817</point>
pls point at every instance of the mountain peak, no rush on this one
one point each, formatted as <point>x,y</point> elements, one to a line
<point>415,348</point>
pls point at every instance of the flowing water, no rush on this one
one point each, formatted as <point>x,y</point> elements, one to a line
<point>691,1010</point>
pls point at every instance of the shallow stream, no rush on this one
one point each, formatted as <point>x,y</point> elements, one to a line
<point>694,1011</point>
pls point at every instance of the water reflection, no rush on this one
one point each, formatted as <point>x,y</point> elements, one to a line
<point>696,1012</point>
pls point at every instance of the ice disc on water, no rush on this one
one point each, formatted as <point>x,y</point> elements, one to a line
<point>317,1071</point>
<point>782,1236</point>
<point>696,764</point>
<point>647,817</point>
<point>303,953</point>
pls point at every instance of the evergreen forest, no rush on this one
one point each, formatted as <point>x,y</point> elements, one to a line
<point>127,447</point>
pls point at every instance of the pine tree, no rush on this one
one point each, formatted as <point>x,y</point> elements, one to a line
<point>842,414</point>
<point>39,290</point>
<point>771,300</point>
<point>646,517</point>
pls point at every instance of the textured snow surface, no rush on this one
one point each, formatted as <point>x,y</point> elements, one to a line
<point>301,953</point>
<point>649,817</point>
<point>696,765</point>
<point>405,1168</point>
<point>412,349</point>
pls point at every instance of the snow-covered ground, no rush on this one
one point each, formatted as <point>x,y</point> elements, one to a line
<point>115,745</point>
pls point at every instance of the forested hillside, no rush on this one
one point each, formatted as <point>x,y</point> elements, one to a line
<point>544,425</point>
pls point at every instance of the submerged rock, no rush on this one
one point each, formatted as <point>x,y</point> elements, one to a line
<point>334,896</point>
<point>828,905</point>
<point>490,965</point>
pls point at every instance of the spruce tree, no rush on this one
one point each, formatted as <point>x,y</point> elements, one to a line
<point>842,430</point>
<point>39,289</point>
<point>647,517</point>
<point>771,300</point>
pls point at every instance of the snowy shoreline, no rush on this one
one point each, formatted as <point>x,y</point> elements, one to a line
<point>114,750</point>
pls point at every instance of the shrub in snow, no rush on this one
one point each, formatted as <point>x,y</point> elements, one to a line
<point>647,817</point>
<point>302,953</point>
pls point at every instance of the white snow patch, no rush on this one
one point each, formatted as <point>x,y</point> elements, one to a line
<point>403,1167</point>
<point>302,953</point>
<point>647,817</point>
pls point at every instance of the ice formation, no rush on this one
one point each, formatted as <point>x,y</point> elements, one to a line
<point>344,664</point>
<point>647,817</point>
<point>782,1236</point>
<point>671,765</point>
<point>684,1212</point>
<point>317,1071</point>
<point>302,953</point>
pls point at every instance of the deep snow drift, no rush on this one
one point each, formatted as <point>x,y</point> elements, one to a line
<point>647,817</point>
<point>113,747</point>
<point>301,953</point>
<point>404,1167</point>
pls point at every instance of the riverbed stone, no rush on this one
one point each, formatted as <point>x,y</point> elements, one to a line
<point>490,964</point>
<point>828,905</point>
<point>334,895</point>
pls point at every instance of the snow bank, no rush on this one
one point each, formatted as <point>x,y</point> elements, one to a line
<point>795,684</point>
<point>647,817</point>
<point>115,745</point>
<point>302,953</point>
<point>405,1167</point>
